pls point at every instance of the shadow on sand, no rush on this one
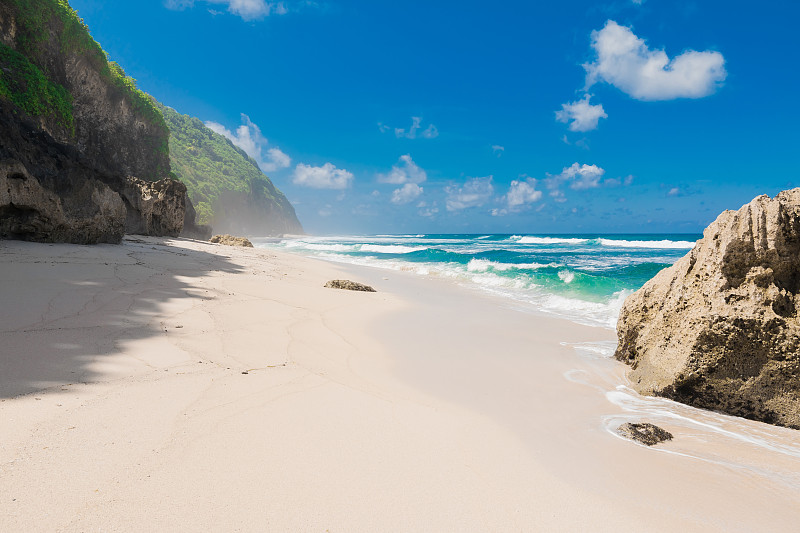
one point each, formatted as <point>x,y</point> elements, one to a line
<point>65,309</point>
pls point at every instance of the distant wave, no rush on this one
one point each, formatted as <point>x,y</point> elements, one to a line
<point>647,244</point>
<point>321,247</point>
<point>390,248</point>
<point>549,240</point>
<point>580,277</point>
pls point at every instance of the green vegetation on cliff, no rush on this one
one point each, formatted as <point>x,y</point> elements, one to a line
<point>28,88</point>
<point>43,24</point>
<point>36,20</point>
<point>225,185</point>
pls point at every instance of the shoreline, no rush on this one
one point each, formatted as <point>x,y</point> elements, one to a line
<point>183,385</point>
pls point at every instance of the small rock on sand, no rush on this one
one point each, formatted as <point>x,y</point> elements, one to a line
<point>230,240</point>
<point>645,433</point>
<point>348,285</point>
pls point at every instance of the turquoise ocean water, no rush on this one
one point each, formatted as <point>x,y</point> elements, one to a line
<point>583,278</point>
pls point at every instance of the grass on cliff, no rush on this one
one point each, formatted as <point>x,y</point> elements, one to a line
<point>211,166</point>
<point>38,20</point>
<point>29,89</point>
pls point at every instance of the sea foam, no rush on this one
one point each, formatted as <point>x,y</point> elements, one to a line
<point>549,240</point>
<point>656,245</point>
<point>583,278</point>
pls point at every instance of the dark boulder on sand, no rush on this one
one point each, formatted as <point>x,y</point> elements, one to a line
<point>348,285</point>
<point>644,433</point>
<point>719,329</point>
<point>230,240</point>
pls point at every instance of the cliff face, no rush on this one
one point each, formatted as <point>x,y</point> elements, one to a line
<point>49,191</point>
<point>227,188</point>
<point>720,328</point>
<point>63,100</point>
<point>114,124</point>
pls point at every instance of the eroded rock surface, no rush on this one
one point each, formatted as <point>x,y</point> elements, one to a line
<point>348,285</point>
<point>85,212</point>
<point>230,240</point>
<point>78,135</point>
<point>644,433</point>
<point>719,329</point>
<point>154,208</point>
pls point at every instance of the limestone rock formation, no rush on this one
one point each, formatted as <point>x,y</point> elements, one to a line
<point>88,213</point>
<point>154,207</point>
<point>79,127</point>
<point>348,285</point>
<point>113,123</point>
<point>230,240</point>
<point>719,329</point>
<point>644,433</point>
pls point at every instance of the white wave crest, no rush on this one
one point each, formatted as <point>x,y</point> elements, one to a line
<point>390,248</point>
<point>551,240</point>
<point>566,276</point>
<point>677,245</point>
<point>482,265</point>
<point>321,247</point>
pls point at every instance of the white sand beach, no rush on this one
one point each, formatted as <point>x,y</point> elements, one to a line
<point>174,385</point>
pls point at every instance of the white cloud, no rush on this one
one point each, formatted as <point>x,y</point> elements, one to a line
<point>582,176</point>
<point>579,177</point>
<point>405,171</point>
<point>248,137</point>
<point>247,9</point>
<point>278,158</point>
<point>581,115</point>
<point>474,193</point>
<point>675,191</point>
<point>522,192</point>
<point>325,177</point>
<point>617,182</point>
<point>407,193</point>
<point>427,211</point>
<point>626,62</point>
<point>416,124</point>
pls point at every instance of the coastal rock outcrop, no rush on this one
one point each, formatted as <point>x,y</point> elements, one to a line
<point>644,433</point>
<point>80,128</point>
<point>720,329</point>
<point>230,240</point>
<point>348,285</point>
<point>154,207</point>
<point>89,212</point>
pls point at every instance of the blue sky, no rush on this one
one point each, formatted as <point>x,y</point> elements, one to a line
<point>510,117</point>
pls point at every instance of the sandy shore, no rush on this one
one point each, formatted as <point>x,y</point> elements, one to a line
<point>172,385</point>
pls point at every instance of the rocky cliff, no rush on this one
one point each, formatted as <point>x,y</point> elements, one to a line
<point>228,189</point>
<point>62,99</point>
<point>720,328</point>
